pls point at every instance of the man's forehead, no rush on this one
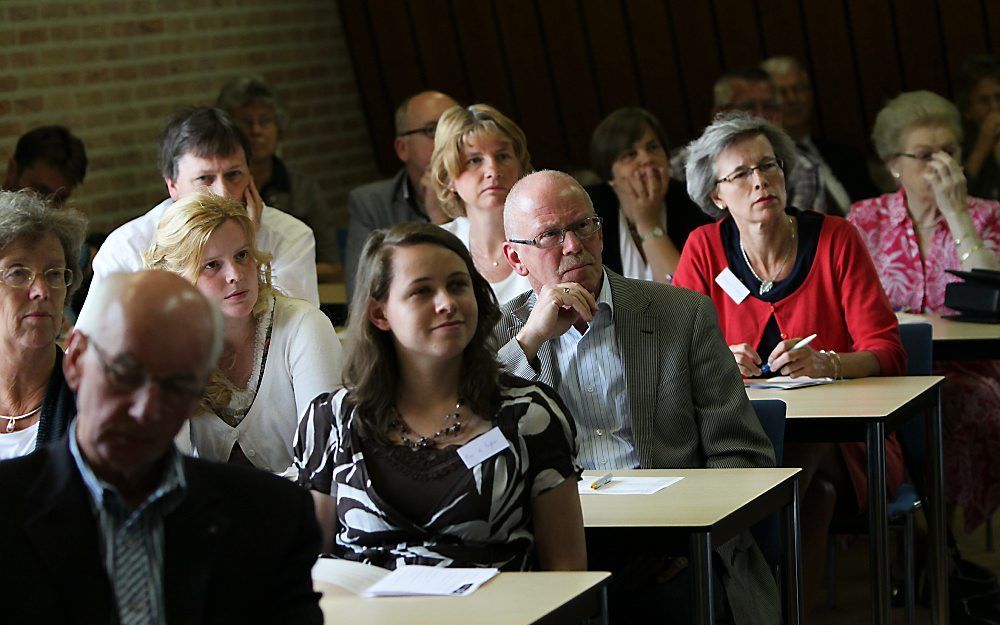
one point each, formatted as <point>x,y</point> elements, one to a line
<point>191,161</point>
<point>752,90</point>
<point>427,109</point>
<point>558,208</point>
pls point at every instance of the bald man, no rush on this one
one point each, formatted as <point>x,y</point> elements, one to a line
<point>646,374</point>
<point>112,525</point>
<point>407,196</point>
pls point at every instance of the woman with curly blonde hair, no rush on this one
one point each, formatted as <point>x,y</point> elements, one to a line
<point>278,352</point>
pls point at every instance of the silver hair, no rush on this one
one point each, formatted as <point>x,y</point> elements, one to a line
<point>728,128</point>
<point>25,214</point>
<point>910,109</point>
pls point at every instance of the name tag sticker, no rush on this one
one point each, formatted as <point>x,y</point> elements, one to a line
<point>732,285</point>
<point>483,447</point>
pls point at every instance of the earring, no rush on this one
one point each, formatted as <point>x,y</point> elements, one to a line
<point>895,175</point>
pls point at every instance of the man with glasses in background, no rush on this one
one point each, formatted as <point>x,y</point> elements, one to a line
<point>111,524</point>
<point>407,196</point>
<point>648,378</point>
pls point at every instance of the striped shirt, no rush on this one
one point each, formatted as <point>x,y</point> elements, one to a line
<point>591,380</point>
<point>132,540</point>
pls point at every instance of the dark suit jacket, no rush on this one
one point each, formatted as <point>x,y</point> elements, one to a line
<point>687,401</point>
<point>376,205</point>
<point>239,548</point>
<point>683,216</point>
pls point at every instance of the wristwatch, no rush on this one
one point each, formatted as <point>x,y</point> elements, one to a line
<point>655,232</point>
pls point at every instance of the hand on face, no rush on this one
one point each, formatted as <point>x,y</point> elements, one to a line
<point>254,204</point>
<point>946,180</point>
<point>804,361</point>
<point>559,306</point>
<point>641,192</point>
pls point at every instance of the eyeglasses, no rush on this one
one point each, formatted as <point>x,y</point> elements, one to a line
<point>22,277</point>
<point>427,131</point>
<point>950,150</point>
<point>743,174</point>
<point>125,375</point>
<point>583,229</point>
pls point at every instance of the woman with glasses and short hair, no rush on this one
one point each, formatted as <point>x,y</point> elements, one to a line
<point>39,245</point>
<point>479,153</point>
<point>776,275</point>
<point>278,352</point>
<point>915,235</point>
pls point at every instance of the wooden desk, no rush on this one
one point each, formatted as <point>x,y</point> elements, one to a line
<point>867,409</point>
<point>509,599</point>
<point>960,340</point>
<point>706,508</point>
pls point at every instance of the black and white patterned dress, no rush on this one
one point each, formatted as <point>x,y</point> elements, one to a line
<point>441,513</point>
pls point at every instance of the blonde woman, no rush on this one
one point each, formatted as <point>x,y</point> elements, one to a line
<point>478,156</point>
<point>279,352</point>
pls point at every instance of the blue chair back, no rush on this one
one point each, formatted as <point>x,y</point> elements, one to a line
<point>917,342</point>
<point>767,533</point>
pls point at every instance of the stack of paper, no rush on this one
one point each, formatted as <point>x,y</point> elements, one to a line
<point>785,382</point>
<point>625,485</point>
<point>372,581</point>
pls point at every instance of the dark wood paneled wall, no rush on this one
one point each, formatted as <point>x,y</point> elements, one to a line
<point>558,66</point>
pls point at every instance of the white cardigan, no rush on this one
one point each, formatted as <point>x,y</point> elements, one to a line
<point>303,361</point>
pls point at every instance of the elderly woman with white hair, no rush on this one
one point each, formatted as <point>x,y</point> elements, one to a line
<point>39,254</point>
<point>777,274</point>
<point>915,235</point>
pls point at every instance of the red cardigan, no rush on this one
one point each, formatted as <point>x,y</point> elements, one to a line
<point>841,298</point>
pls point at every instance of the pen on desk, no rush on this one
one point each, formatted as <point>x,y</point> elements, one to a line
<point>809,339</point>
<point>602,481</point>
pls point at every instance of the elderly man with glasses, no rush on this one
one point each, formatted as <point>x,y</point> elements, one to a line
<point>112,525</point>
<point>407,196</point>
<point>646,375</point>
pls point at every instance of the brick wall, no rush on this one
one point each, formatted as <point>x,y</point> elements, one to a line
<point>113,70</point>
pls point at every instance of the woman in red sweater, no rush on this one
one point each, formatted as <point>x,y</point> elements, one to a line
<point>777,274</point>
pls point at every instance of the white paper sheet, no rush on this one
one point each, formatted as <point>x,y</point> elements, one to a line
<point>356,577</point>
<point>784,382</point>
<point>627,485</point>
<point>430,580</point>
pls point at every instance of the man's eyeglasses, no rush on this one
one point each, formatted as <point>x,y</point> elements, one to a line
<point>743,174</point>
<point>950,150</point>
<point>583,229</point>
<point>125,375</point>
<point>427,131</point>
<point>22,277</point>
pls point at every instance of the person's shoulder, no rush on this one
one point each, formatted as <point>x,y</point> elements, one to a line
<point>27,465</point>
<point>137,232</point>
<point>282,224</point>
<point>293,313</point>
<point>984,206</point>
<point>383,189</point>
<point>516,303</point>
<point>661,299</point>
<point>871,206</point>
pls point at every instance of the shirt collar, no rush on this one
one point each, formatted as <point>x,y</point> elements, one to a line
<point>172,486</point>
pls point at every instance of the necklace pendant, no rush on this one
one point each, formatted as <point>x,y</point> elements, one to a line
<point>10,426</point>
<point>765,286</point>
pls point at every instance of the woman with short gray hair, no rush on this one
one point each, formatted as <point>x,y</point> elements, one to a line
<point>778,275</point>
<point>39,252</point>
<point>916,235</point>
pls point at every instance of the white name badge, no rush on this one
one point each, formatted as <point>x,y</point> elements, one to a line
<point>483,447</point>
<point>732,285</point>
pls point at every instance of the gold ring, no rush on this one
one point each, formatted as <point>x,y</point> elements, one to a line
<point>566,289</point>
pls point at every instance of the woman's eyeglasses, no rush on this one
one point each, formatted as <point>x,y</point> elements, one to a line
<point>21,277</point>
<point>743,174</point>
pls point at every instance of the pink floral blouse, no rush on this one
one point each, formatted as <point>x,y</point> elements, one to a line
<point>915,285</point>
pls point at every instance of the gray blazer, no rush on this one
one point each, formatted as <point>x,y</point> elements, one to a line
<point>380,204</point>
<point>688,405</point>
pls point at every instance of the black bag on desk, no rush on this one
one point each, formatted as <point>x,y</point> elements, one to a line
<point>976,299</point>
